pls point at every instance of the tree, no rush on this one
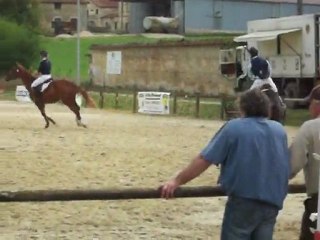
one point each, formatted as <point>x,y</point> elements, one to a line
<point>17,44</point>
<point>23,12</point>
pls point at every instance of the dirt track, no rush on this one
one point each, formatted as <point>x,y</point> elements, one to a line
<point>117,150</point>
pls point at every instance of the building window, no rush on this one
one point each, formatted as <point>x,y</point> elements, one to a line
<point>57,6</point>
<point>97,11</point>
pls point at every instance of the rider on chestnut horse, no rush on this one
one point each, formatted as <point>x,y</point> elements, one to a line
<point>44,74</point>
<point>59,90</point>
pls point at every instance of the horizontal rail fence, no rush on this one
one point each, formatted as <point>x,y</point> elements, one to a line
<point>117,194</point>
<point>227,103</point>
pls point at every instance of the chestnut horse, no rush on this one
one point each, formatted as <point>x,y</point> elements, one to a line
<point>63,90</point>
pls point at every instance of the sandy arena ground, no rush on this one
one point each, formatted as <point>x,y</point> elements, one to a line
<point>118,150</point>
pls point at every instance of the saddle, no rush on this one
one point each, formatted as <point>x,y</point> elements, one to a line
<point>43,86</point>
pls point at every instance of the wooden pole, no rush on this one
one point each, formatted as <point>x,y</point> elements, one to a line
<point>134,102</point>
<point>116,100</point>
<point>101,99</point>
<point>197,105</point>
<point>174,103</point>
<point>222,107</point>
<point>116,194</point>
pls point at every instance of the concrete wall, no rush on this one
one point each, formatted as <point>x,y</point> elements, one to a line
<point>169,66</point>
<point>138,11</point>
<point>178,12</point>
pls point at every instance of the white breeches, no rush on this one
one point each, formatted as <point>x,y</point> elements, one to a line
<point>40,80</point>
<point>259,82</point>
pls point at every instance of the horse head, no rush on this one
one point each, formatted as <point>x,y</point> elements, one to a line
<point>17,71</point>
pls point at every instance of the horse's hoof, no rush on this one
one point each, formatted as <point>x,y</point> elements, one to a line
<point>82,125</point>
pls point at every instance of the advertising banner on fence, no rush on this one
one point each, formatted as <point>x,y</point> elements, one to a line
<point>22,94</point>
<point>154,102</point>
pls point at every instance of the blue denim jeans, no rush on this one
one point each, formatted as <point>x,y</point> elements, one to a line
<point>246,219</point>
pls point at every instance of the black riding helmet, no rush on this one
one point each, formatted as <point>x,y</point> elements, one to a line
<point>253,51</point>
<point>43,53</point>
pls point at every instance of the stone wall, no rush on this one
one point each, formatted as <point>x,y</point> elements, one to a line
<point>181,66</point>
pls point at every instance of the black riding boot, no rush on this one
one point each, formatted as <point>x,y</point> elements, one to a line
<point>36,92</point>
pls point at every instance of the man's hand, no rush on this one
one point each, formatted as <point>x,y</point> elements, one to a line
<point>193,170</point>
<point>167,189</point>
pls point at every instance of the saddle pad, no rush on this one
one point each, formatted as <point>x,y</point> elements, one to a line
<point>45,86</point>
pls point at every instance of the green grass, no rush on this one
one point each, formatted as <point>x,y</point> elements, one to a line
<point>63,54</point>
<point>123,102</point>
<point>63,51</point>
<point>295,117</point>
<point>209,109</point>
<point>7,95</point>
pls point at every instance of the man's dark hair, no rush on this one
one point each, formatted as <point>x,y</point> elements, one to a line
<point>254,103</point>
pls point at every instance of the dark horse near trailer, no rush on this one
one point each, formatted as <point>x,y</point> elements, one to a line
<point>58,90</point>
<point>278,107</point>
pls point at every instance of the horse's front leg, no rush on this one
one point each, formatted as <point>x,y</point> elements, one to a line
<point>43,113</point>
<point>45,118</point>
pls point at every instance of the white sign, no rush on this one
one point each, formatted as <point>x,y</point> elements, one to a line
<point>22,94</point>
<point>154,102</point>
<point>114,62</point>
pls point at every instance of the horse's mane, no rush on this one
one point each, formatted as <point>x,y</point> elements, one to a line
<point>24,70</point>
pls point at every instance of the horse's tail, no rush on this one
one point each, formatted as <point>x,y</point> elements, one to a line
<point>89,100</point>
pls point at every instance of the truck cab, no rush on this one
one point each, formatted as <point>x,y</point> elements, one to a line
<point>234,66</point>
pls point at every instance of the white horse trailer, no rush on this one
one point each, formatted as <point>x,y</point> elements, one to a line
<point>292,46</point>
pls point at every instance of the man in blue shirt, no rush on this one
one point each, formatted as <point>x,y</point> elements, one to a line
<point>254,159</point>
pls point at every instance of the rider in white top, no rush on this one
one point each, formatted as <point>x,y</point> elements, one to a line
<point>44,70</point>
<point>259,70</point>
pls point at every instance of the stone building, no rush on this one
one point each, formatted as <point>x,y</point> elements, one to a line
<point>107,16</point>
<point>61,16</point>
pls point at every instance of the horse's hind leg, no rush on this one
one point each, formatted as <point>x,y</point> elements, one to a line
<point>76,109</point>
<point>51,120</point>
